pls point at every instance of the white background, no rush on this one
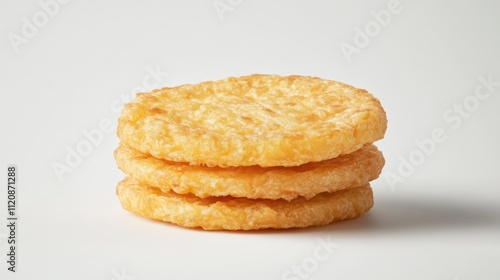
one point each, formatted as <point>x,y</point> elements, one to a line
<point>442,221</point>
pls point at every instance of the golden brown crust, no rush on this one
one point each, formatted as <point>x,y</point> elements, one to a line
<point>264,120</point>
<point>228,213</point>
<point>355,169</point>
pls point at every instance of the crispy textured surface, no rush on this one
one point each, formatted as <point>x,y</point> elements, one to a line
<point>228,213</point>
<point>264,120</point>
<point>354,169</point>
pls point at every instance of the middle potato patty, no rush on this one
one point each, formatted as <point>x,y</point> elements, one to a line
<point>355,169</point>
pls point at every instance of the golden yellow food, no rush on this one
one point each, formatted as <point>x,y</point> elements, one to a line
<point>264,120</point>
<point>354,169</point>
<point>228,213</point>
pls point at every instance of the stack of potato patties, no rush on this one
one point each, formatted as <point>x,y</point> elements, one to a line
<point>254,152</point>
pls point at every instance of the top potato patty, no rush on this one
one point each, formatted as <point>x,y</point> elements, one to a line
<point>264,120</point>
